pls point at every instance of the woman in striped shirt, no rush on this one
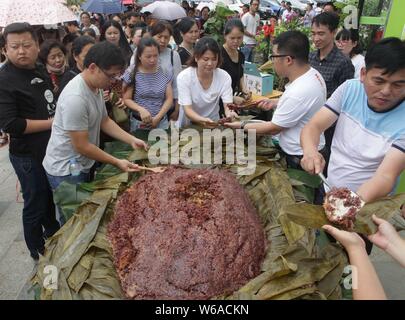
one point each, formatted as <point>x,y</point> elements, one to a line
<point>149,92</point>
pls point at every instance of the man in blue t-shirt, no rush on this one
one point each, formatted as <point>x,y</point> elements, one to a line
<point>368,148</point>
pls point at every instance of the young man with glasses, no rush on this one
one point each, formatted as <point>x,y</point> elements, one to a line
<point>27,107</point>
<point>305,94</point>
<point>81,114</point>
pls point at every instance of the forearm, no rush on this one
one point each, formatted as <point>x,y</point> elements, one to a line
<point>397,251</point>
<point>193,116</point>
<point>242,86</point>
<point>109,127</point>
<point>247,33</point>
<point>376,187</point>
<point>226,110</point>
<point>93,152</point>
<point>367,286</point>
<point>34,126</point>
<point>310,137</point>
<point>131,104</point>
<point>262,128</point>
<point>165,108</point>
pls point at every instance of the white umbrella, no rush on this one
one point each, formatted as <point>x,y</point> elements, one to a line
<point>151,6</point>
<point>35,12</point>
<point>210,5</point>
<point>165,10</point>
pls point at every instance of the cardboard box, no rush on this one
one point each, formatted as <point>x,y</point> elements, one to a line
<point>257,82</point>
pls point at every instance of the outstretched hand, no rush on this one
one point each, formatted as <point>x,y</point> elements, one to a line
<point>127,166</point>
<point>349,240</point>
<point>138,143</point>
<point>385,235</point>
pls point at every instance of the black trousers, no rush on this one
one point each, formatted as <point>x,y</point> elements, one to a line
<point>39,219</point>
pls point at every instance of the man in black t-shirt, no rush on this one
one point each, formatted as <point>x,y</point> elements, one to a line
<point>26,109</point>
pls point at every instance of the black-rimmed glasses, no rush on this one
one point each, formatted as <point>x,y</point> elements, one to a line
<point>113,76</point>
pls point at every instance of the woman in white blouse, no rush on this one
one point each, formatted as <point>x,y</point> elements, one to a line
<point>348,42</point>
<point>201,86</point>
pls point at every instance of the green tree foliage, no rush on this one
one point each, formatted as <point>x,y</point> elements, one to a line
<point>214,27</point>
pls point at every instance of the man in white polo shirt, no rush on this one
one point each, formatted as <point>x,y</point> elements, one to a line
<point>251,21</point>
<point>368,150</point>
<point>305,94</point>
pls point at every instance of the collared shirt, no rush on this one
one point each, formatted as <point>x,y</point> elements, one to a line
<point>335,68</point>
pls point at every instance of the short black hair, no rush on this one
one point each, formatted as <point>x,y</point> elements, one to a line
<point>77,47</point>
<point>85,13</point>
<point>251,1</point>
<point>233,23</point>
<point>80,43</point>
<point>47,46</point>
<point>185,24</point>
<point>2,45</point>
<point>139,26</point>
<point>160,27</point>
<point>294,43</point>
<point>105,55</point>
<point>388,54</point>
<point>203,8</point>
<point>19,28</point>
<point>72,23</point>
<point>203,45</point>
<point>330,4</point>
<point>116,15</point>
<point>2,41</point>
<point>353,35</point>
<point>90,32</point>
<point>329,19</point>
<point>131,14</point>
<point>70,37</point>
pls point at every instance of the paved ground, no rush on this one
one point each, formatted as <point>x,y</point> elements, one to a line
<point>16,266</point>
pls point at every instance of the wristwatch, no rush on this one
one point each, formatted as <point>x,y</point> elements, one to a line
<point>242,124</point>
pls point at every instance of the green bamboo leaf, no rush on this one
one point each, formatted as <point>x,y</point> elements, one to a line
<point>308,179</point>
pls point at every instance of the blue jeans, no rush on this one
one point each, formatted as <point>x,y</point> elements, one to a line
<point>247,50</point>
<point>55,181</point>
<point>38,216</point>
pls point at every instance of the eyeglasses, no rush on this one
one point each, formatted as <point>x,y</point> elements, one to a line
<point>280,56</point>
<point>113,76</point>
<point>342,41</point>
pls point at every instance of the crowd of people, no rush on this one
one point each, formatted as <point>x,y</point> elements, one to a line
<point>340,113</point>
